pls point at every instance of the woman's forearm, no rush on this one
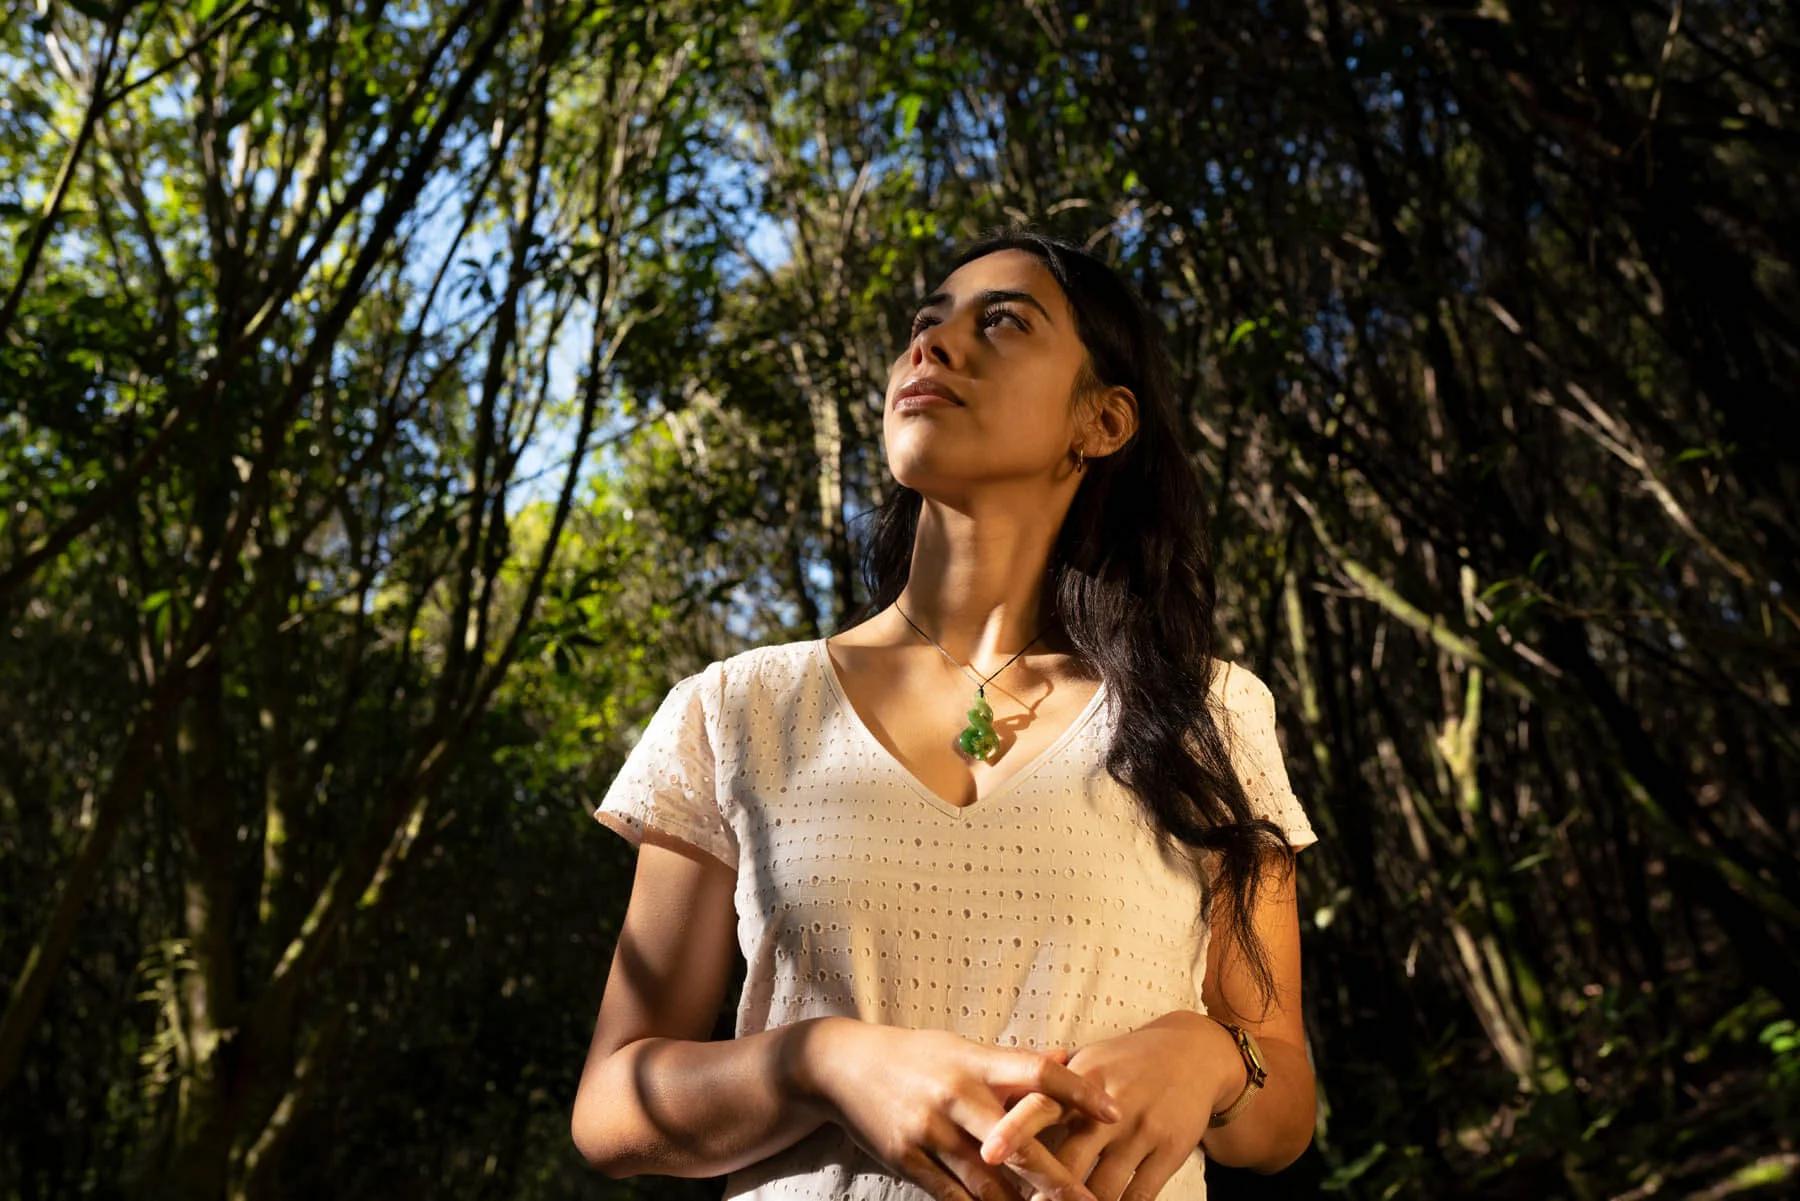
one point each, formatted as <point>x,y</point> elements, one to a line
<point>1277,1124</point>
<point>676,1107</point>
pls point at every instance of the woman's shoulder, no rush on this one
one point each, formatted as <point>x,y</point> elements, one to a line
<point>1233,681</point>
<point>768,674</point>
<point>752,673</point>
<point>777,657</point>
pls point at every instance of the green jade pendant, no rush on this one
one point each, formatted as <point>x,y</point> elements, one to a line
<point>978,737</point>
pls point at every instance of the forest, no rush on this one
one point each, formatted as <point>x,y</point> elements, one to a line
<point>394,401</point>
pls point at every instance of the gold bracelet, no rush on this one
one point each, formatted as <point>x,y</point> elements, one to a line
<point>1255,1073</point>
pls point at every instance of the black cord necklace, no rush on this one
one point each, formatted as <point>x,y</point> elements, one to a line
<point>977,739</point>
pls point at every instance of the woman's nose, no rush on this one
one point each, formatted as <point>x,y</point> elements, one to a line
<point>929,344</point>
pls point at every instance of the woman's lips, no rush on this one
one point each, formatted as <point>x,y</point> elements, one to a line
<point>922,400</point>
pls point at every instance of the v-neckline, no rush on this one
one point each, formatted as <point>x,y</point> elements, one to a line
<point>829,670</point>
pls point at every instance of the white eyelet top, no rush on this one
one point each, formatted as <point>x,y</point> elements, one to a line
<point>1042,915</point>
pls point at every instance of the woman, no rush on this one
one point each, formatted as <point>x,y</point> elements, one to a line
<point>1016,807</point>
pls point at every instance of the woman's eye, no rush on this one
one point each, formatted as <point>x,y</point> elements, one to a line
<point>989,317</point>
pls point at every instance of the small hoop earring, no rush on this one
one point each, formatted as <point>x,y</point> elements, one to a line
<point>1080,459</point>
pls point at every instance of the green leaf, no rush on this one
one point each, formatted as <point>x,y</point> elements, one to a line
<point>1343,1176</point>
<point>909,112</point>
<point>1530,861</point>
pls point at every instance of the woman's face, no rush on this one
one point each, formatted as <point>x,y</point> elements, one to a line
<point>1000,336</point>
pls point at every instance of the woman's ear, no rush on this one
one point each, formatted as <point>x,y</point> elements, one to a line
<point>1118,415</point>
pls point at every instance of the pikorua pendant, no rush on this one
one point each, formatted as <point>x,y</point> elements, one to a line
<point>978,737</point>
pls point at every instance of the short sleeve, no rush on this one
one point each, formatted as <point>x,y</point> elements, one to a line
<point>667,782</point>
<point>1256,752</point>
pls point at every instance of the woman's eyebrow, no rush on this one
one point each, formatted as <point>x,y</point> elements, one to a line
<point>991,296</point>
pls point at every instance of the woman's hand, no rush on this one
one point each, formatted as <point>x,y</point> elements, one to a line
<point>921,1101</point>
<point>1170,1076</point>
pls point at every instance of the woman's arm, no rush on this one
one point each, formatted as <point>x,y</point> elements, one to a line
<point>655,1096</point>
<point>676,1107</point>
<point>1277,1124</point>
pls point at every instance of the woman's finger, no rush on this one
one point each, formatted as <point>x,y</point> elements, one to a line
<point>1086,1142</point>
<point>978,1114</point>
<point>1023,1121</point>
<point>1028,1071</point>
<point>980,1178</point>
<point>1044,1173</point>
<point>1119,1160</point>
<point>926,1172</point>
<point>1155,1171</point>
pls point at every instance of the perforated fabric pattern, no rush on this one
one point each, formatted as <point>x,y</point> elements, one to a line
<point>1044,914</point>
<point>668,779</point>
<point>1256,750</point>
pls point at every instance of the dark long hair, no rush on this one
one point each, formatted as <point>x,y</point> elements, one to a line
<point>1130,582</point>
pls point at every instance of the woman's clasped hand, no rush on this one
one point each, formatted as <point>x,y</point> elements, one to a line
<point>1169,1077</point>
<point>922,1102</point>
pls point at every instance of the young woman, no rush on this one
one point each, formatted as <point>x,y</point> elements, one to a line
<point>1016,807</point>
